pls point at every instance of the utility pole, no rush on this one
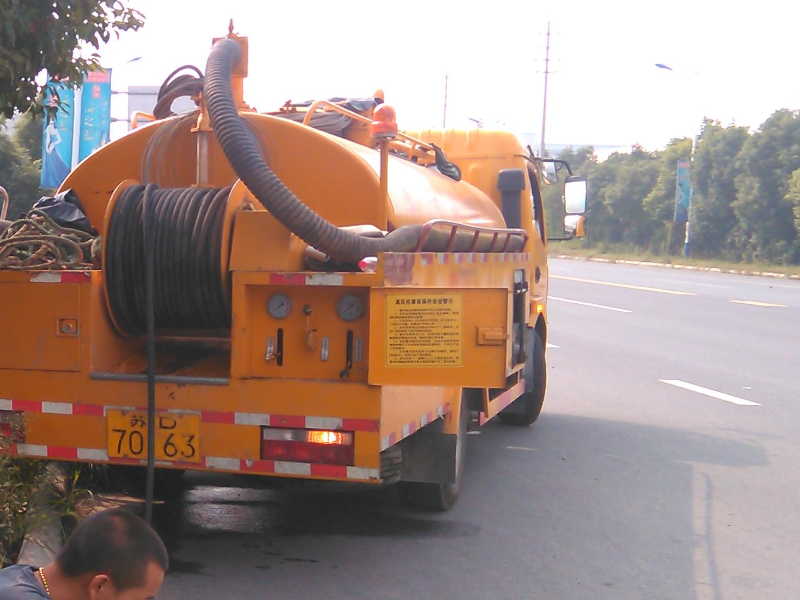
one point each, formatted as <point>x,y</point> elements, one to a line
<point>444,108</point>
<point>546,73</point>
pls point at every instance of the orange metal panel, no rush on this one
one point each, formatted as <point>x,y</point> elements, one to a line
<point>33,338</point>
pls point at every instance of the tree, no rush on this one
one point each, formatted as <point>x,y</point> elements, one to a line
<point>793,198</point>
<point>28,134</point>
<point>38,35</point>
<point>714,173</point>
<point>18,175</point>
<point>659,204</point>
<point>765,226</point>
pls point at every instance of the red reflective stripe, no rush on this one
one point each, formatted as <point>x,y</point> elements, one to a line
<point>62,452</point>
<point>125,461</point>
<point>10,450</point>
<point>77,277</point>
<point>26,405</point>
<point>260,466</point>
<point>339,471</point>
<point>287,279</point>
<point>210,416</point>
<point>287,421</point>
<point>87,409</point>
<point>360,425</point>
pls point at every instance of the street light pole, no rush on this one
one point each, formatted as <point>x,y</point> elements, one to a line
<point>546,73</point>
<point>679,191</point>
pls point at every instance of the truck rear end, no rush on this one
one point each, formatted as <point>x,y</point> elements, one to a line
<point>353,336</point>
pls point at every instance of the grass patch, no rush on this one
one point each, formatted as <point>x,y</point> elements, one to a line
<point>622,252</point>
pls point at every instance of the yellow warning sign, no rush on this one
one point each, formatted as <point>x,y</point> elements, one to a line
<point>423,330</point>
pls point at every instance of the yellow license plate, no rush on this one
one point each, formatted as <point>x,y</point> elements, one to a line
<point>177,435</point>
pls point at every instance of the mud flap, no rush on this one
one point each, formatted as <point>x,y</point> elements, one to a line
<point>429,456</point>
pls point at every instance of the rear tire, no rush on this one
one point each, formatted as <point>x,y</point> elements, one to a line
<point>526,409</point>
<point>440,496</point>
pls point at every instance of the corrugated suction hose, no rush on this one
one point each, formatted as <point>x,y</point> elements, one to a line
<point>243,151</point>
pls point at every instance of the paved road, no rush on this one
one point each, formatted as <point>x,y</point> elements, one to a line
<point>627,487</point>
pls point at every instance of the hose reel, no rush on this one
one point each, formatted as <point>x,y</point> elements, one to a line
<point>189,233</point>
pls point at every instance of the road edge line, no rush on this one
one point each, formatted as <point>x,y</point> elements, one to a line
<point>643,263</point>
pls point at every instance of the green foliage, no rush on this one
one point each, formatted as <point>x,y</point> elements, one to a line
<point>715,168</point>
<point>38,35</point>
<point>28,134</point>
<point>20,479</point>
<point>18,174</point>
<point>793,198</point>
<point>746,203</point>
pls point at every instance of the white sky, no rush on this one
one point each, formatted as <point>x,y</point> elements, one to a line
<point>733,61</point>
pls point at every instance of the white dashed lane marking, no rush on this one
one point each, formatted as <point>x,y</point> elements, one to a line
<point>628,286</point>
<point>709,392</point>
<point>756,303</point>
<point>590,304</point>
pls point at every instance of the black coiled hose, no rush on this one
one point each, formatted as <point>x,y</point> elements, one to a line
<point>186,243</point>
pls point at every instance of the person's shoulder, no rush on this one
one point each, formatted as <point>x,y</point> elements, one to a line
<point>18,582</point>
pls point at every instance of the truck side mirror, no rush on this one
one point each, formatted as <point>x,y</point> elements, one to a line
<point>575,192</point>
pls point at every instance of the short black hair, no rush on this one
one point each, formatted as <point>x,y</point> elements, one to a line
<point>115,542</point>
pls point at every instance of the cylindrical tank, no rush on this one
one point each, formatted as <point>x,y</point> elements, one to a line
<point>336,177</point>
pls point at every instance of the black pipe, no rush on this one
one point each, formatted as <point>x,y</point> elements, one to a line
<point>243,151</point>
<point>149,285</point>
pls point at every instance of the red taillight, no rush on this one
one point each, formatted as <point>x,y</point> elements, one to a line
<point>308,445</point>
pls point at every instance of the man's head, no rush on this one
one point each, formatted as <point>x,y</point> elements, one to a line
<point>117,555</point>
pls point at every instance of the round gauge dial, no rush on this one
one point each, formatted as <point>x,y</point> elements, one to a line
<point>350,307</point>
<point>279,306</point>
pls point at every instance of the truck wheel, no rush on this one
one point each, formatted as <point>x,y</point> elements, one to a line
<point>440,496</point>
<point>525,410</point>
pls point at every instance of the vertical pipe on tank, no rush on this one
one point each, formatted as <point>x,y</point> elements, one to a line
<point>384,150</point>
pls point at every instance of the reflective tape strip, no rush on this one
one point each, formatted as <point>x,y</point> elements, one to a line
<point>61,277</point>
<point>62,452</point>
<point>31,450</point>
<point>206,416</point>
<point>324,279</point>
<point>122,408</point>
<point>250,419</point>
<point>26,405</point>
<point>212,416</point>
<point>362,473</point>
<point>57,408</point>
<point>46,277</point>
<point>409,428</point>
<point>217,462</point>
<point>323,423</point>
<point>293,421</point>
<point>292,468</point>
<point>287,279</point>
<point>92,454</point>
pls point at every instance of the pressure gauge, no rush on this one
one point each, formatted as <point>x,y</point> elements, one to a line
<point>278,306</point>
<point>350,307</point>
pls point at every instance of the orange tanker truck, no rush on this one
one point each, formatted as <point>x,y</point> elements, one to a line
<point>306,293</point>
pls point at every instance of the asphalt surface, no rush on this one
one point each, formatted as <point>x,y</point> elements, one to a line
<point>626,487</point>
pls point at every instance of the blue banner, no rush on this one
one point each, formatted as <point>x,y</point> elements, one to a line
<point>683,192</point>
<point>95,121</point>
<point>57,135</point>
